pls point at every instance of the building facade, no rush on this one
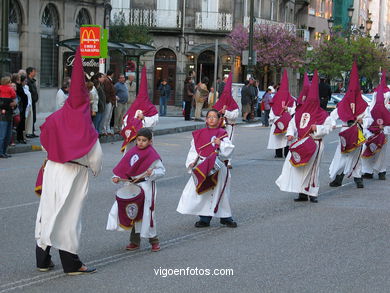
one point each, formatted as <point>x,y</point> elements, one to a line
<point>35,27</point>
<point>186,34</point>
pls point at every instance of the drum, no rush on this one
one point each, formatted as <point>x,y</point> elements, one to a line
<point>302,151</point>
<point>282,123</point>
<point>351,138</point>
<point>374,144</point>
<point>130,199</point>
<point>218,164</point>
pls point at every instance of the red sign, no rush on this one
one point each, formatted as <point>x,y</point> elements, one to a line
<point>90,41</point>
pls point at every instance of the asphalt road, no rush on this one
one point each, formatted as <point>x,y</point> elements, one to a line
<point>340,244</point>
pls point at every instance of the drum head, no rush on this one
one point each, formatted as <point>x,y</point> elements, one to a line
<point>128,191</point>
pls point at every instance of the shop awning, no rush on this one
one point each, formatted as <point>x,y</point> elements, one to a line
<point>127,49</point>
<point>209,46</point>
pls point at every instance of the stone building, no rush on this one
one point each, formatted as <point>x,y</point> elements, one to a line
<point>35,27</point>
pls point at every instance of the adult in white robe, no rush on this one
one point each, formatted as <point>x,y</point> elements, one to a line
<point>349,164</point>
<point>296,179</point>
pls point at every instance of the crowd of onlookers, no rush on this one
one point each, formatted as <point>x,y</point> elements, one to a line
<point>254,102</point>
<point>18,98</point>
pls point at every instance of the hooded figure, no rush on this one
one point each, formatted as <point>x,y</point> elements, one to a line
<point>377,129</point>
<point>72,147</point>
<point>304,92</point>
<point>310,124</point>
<point>142,113</point>
<point>282,107</point>
<point>228,107</point>
<point>350,110</point>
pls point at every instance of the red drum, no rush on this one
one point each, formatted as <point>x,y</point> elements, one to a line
<point>130,199</point>
<point>374,144</point>
<point>282,123</point>
<point>351,138</point>
<point>302,151</point>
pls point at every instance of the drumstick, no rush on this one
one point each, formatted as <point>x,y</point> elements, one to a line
<point>143,175</point>
<point>203,146</point>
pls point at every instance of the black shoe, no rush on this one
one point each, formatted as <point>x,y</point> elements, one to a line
<point>34,135</point>
<point>29,135</point>
<point>22,141</point>
<point>228,223</point>
<point>278,156</point>
<point>301,197</point>
<point>8,155</point>
<point>359,182</point>
<point>48,268</point>
<point>367,176</point>
<point>382,176</point>
<point>3,156</point>
<point>337,181</point>
<point>201,224</point>
<point>313,199</point>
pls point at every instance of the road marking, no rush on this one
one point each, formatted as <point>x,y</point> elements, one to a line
<point>20,205</point>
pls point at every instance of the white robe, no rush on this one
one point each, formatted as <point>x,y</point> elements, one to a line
<point>277,141</point>
<point>149,122</point>
<point>376,163</point>
<point>349,163</point>
<point>192,203</point>
<point>143,227</point>
<point>231,117</point>
<point>64,190</point>
<point>296,179</point>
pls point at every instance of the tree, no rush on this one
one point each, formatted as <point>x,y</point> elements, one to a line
<point>336,55</point>
<point>122,32</point>
<point>276,46</point>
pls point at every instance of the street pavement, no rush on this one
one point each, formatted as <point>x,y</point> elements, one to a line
<point>340,244</point>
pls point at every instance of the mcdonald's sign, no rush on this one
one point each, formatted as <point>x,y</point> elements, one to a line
<point>90,41</point>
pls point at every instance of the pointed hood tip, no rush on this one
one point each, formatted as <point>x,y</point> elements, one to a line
<point>226,98</point>
<point>78,93</point>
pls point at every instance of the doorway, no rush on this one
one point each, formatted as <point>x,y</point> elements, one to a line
<point>164,68</point>
<point>205,66</point>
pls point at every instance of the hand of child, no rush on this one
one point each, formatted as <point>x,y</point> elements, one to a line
<point>313,128</point>
<point>140,116</point>
<point>290,137</point>
<point>115,179</point>
<point>149,172</point>
<point>217,141</point>
<point>191,165</point>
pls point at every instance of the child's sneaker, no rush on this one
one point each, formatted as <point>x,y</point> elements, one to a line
<point>132,246</point>
<point>155,247</point>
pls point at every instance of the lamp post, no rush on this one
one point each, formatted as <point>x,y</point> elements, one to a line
<point>330,25</point>
<point>350,14</point>
<point>250,49</point>
<point>368,26</point>
<point>4,51</point>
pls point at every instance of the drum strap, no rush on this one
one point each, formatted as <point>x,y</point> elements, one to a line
<point>222,191</point>
<point>314,169</point>
<point>77,163</point>
<point>152,205</point>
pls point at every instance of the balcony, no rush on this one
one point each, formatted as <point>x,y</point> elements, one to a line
<point>286,25</point>
<point>303,34</point>
<point>154,18</point>
<point>213,21</point>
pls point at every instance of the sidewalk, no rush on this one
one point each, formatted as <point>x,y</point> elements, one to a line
<point>166,125</point>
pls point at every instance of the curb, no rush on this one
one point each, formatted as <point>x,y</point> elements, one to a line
<point>107,139</point>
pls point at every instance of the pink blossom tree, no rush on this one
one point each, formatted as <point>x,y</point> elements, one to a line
<point>276,46</point>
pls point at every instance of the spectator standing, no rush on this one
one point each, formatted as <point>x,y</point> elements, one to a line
<point>165,93</point>
<point>267,107</point>
<point>212,99</point>
<point>325,93</point>
<point>62,95</point>
<point>93,98</point>
<point>201,94</point>
<point>31,82</point>
<point>7,103</point>
<point>22,108</point>
<point>109,91</point>
<point>132,90</point>
<point>246,101</point>
<point>188,94</point>
<point>97,120</point>
<point>122,93</point>
<point>29,112</point>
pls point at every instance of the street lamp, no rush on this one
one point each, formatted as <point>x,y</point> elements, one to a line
<point>330,25</point>
<point>368,25</point>
<point>350,12</point>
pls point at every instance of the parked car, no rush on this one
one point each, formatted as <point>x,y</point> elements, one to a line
<point>335,98</point>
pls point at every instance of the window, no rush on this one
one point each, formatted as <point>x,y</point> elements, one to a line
<point>14,24</point>
<point>82,18</point>
<point>49,50</point>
